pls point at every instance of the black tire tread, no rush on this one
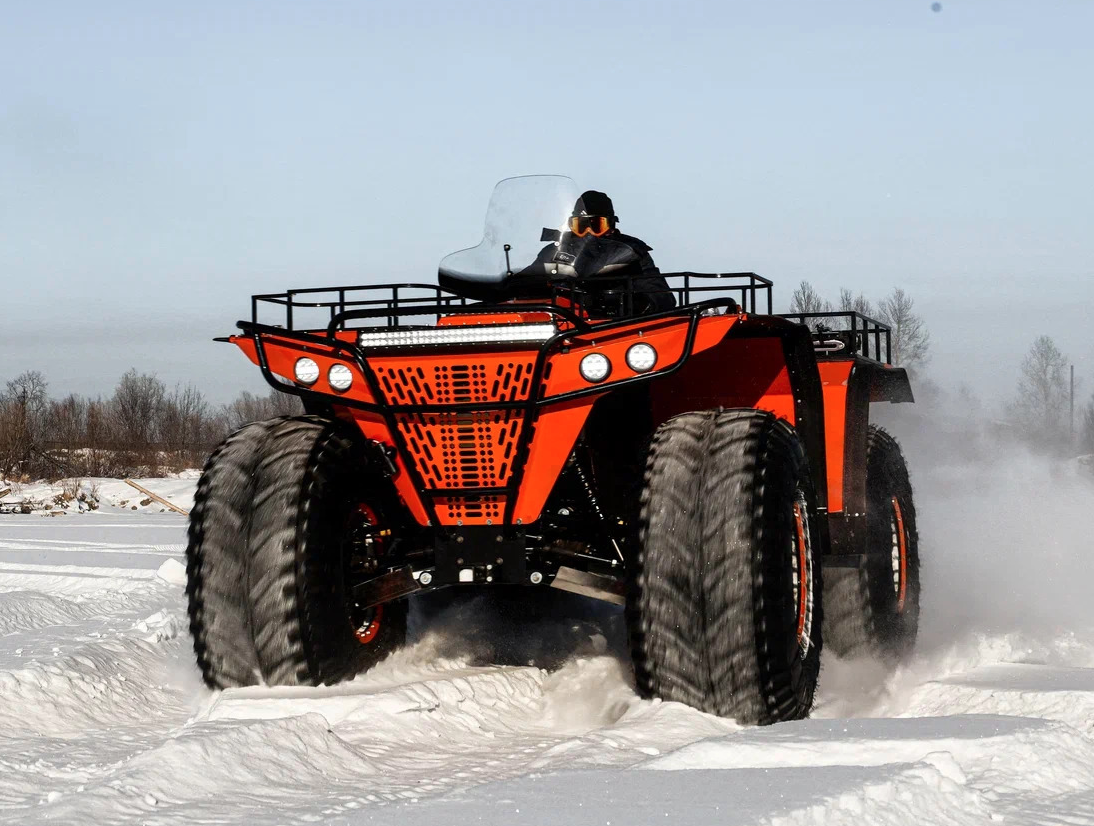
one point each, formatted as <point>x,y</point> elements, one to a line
<point>698,631</point>
<point>860,619</point>
<point>295,585</point>
<point>664,621</point>
<point>216,561</point>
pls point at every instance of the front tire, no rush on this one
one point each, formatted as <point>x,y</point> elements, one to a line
<point>314,493</point>
<point>724,608</point>
<point>216,561</point>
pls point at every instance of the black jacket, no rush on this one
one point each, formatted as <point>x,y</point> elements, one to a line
<point>623,280</point>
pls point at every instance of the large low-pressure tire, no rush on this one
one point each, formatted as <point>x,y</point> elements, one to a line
<point>724,608</point>
<point>319,511</point>
<point>216,561</point>
<point>874,610</point>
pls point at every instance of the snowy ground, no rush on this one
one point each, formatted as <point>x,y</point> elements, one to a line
<point>103,718</point>
<point>80,495</point>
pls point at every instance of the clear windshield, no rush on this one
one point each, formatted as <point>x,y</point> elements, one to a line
<point>520,210</point>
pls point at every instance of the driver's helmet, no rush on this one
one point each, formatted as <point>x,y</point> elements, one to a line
<point>593,215</point>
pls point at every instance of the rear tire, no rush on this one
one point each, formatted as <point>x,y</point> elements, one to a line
<point>216,561</point>
<point>874,610</point>
<point>312,486</point>
<point>724,607</point>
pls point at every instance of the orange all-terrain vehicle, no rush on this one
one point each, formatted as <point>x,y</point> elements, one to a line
<point>711,467</point>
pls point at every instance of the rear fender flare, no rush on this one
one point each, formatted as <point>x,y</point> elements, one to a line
<point>849,388</point>
<point>763,362</point>
<point>806,413</point>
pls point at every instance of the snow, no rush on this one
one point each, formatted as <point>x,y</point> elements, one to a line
<point>81,495</point>
<point>103,718</point>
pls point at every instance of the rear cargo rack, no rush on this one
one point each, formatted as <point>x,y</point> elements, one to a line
<point>847,333</point>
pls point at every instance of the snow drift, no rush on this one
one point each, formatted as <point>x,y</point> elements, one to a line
<point>104,719</point>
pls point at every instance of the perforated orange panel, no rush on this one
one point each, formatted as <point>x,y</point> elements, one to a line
<point>450,382</point>
<point>472,510</point>
<point>462,450</point>
<point>465,450</point>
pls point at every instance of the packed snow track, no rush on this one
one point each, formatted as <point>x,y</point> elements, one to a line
<point>103,718</point>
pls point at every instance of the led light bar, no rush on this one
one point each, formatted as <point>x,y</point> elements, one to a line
<point>479,334</point>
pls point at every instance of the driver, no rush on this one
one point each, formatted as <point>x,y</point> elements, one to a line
<point>592,247</point>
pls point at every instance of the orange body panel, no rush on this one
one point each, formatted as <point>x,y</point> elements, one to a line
<point>736,361</point>
<point>373,427</point>
<point>458,450</point>
<point>667,336</point>
<point>477,449</point>
<point>557,430</point>
<point>282,353</point>
<point>835,379</point>
<point>718,378</point>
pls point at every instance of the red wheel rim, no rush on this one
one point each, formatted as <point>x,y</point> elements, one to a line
<point>367,633</point>
<point>803,573</point>
<point>368,629</point>
<point>901,563</point>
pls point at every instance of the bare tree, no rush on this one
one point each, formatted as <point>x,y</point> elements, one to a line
<point>137,404</point>
<point>28,392</point>
<point>23,407</point>
<point>186,427</point>
<point>97,432</point>
<point>183,418</point>
<point>247,407</point>
<point>1041,408</point>
<point>13,445</point>
<point>910,338</point>
<point>66,422</point>
<point>860,304</point>
<point>807,300</point>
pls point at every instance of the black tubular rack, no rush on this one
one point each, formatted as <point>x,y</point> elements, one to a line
<point>847,333</point>
<point>317,307</point>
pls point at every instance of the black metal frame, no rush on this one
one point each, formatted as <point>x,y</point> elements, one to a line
<point>340,299</point>
<point>391,302</point>
<point>394,307</point>
<point>854,338</point>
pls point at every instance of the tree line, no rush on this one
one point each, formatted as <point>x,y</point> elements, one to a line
<point>146,428</point>
<point>143,429</point>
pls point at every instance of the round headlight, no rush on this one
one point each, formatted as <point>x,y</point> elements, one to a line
<point>641,357</point>
<point>340,377</point>
<point>595,367</point>
<point>306,371</point>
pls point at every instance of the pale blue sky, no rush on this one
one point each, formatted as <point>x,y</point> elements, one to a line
<point>159,162</point>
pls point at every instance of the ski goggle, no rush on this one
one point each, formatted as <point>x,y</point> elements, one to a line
<point>582,225</point>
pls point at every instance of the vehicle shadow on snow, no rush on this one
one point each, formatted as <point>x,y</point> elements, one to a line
<point>517,626</point>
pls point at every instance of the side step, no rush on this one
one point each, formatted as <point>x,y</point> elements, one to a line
<point>597,586</point>
<point>385,588</point>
